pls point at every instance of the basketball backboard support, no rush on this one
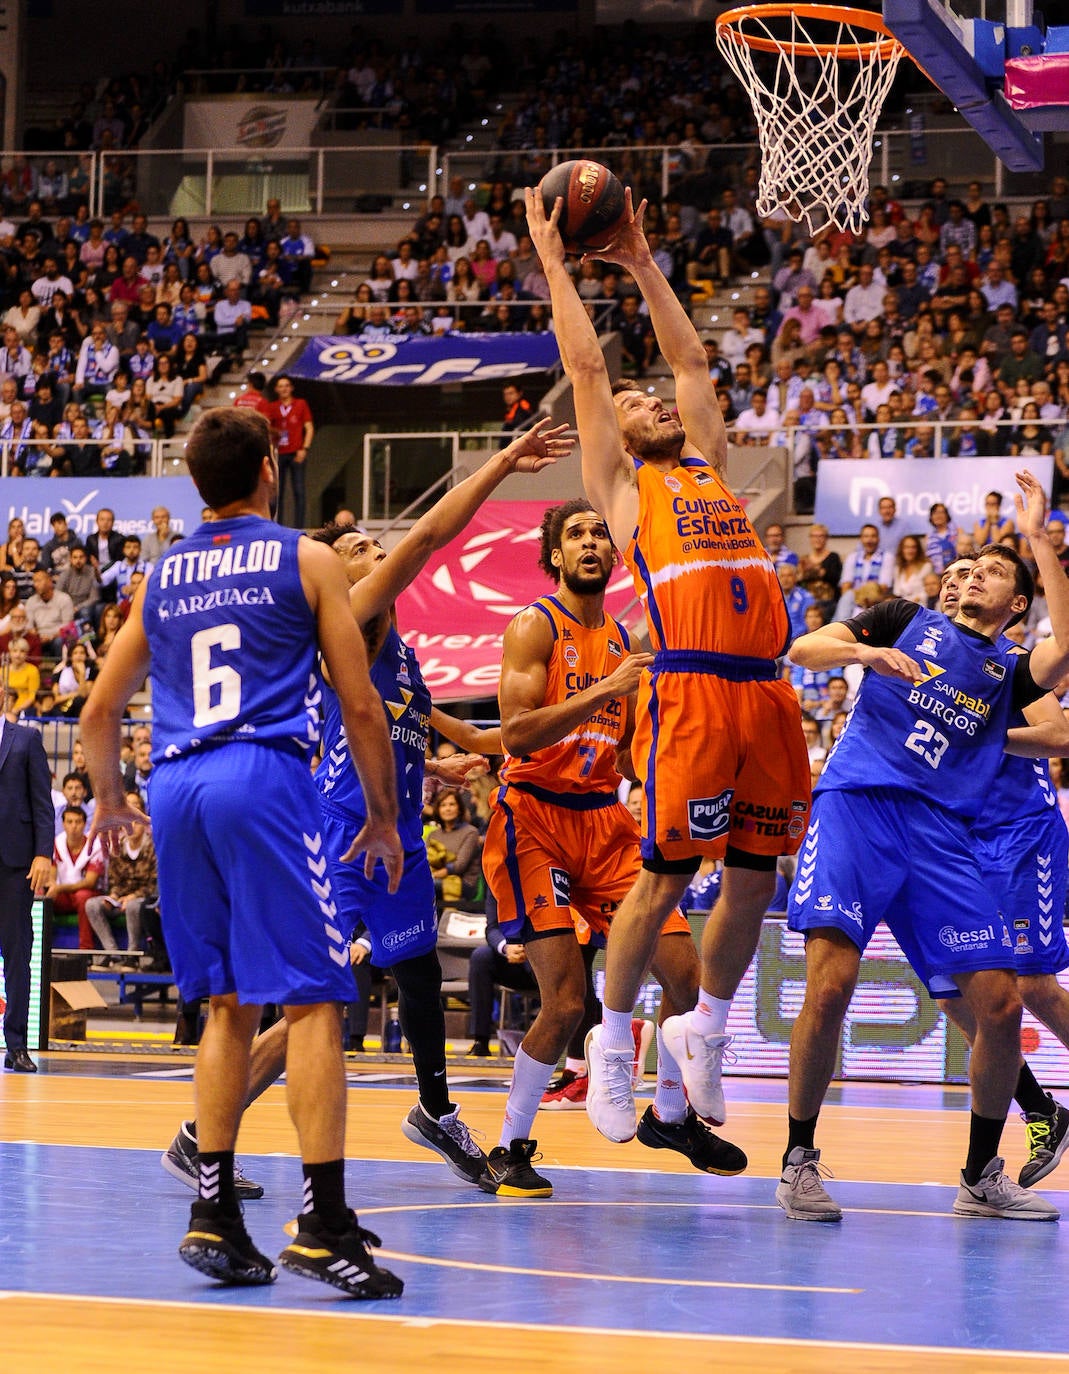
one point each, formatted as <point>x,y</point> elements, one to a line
<point>977,63</point>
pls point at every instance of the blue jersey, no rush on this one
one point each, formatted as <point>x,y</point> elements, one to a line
<point>407,702</point>
<point>233,641</point>
<point>943,735</point>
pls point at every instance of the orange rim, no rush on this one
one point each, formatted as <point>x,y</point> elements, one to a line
<point>883,47</point>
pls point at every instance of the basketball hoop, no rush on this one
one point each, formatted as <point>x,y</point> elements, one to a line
<point>817,77</point>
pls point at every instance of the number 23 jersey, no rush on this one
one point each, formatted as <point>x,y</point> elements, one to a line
<point>942,735</point>
<point>233,641</point>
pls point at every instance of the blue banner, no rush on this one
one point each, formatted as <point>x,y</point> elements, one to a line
<point>79,498</point>
<point>848,492</point>
<point>425,361</point>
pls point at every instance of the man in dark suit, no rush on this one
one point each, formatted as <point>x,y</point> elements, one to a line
<point>26,839</point>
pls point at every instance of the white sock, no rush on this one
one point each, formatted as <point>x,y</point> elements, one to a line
<point>616,1032</point>
<point>530,1079</point>
<point>710,1016</point>
<point>576,1066</point>
<point>669,1101</point>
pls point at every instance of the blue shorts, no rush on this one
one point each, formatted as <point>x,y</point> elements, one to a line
<point>886,855</point>
<point>1025,864</point>
<point>401,924</point>
<point>245,895</point>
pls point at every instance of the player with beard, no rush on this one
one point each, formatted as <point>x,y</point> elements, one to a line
<point>718,741</point>
<point>562,851</point>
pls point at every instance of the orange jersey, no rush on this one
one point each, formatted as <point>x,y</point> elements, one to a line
<point>704,578</point>
<point>584,761</point>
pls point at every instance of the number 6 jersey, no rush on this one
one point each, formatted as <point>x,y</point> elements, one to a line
<point>222,669</point>
<point>943,735</point>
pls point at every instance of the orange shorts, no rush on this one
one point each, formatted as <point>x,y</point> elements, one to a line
<point>554,870</point>
<point>720,763</point>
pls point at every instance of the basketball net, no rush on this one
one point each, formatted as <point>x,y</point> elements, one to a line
<point>817,77</point>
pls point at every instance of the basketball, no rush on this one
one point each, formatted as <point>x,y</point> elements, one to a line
<point>593,207</point>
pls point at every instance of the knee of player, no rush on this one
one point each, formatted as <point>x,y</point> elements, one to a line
<point>998,1005</point>
<point>564,1008</point>
<point>827,998</point>
<point>1043,995</point>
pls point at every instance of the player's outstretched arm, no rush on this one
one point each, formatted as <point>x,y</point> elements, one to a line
<point>361,707</point>
<point>536,448</point>
<point>1049,660</point>
<point>699,410</point>
<point>100,725</point>
<point>834,646</point>
<point>608,473</point>
<point>471,738</point>
<point>526,723</point>
<point>1046,736</point>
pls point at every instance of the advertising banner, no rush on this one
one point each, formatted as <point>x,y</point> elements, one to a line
<point>252,122</point>
<point>849,492</point>
<point>454,616</point>
<point>425,361</point>
<point>79,498</point>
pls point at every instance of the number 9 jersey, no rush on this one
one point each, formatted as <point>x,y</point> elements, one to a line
<point>223,670</point>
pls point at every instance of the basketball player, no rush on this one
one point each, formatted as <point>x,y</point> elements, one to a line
<point>561,849</point>
<point>718,744</point>
<point>401,923</point>
<point>914,767</point>
<point>1023,849</point>
<point>238,844</point>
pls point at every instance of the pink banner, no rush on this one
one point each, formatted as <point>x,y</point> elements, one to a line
<point>455,614</point>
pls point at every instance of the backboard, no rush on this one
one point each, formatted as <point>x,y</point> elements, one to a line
<point>1008,76</point>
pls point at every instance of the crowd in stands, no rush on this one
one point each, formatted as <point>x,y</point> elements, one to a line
<point>111,333</point>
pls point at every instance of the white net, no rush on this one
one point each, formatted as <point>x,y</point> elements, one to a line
<point>817,84</point>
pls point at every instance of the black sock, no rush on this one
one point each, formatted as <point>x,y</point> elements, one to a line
<point>1030,1097</point>
<point>419,1008</point>
<point>324,1193</point>
<point>800,1133</point>
<point>984,1137</point>
<point>216,1180</point>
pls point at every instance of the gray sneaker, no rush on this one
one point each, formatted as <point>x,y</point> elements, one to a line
<point>801,1193</point>
<point>448,1137</point>
<point>995,1195</point>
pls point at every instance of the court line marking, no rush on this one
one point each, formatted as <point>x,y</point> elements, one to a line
<point>348,1311</point>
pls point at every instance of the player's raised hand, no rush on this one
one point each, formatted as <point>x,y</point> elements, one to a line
<point>378,841</point>
<point>891,663</point>
<point>542,228</point>
<point>112,822</point>
<point>625,679</point>
<point>1031,503</point>
<point>538,447</point>
<point>630,245</point>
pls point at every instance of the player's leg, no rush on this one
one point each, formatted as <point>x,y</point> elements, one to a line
<point>559,971</point>
<point>670,1123</point>
<point>330,1244</point>
<point>568,1091</point>
<point>985,1191</point>
<point>1046,1120</point>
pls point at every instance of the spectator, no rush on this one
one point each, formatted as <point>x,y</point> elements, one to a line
<point>297,252</point>
<point>776,547</point>
<point>820,570</point>
<point>911,568</point>
<point>79,582</point>
<point>76,676</point>
<point>28,564</point>
<point>519,413</point>
<point>867,564</point>
<point>233,316</point>
<point>131,884</point>
<point>291,420</point>
<point>864,302</point>
<point>757,423</point>
<point>23,677</point>
<point>1019,362</point>
<point>162,537</point>
<point>120,573</point>
<point>98,363</point>
<point>253,394</point>
<point>889,525</point>
<point>50,611</point>
<point>79,867</point>
<point>498,963</point>
<point>453,848</point>
<point>797,599</point>
<point>232,265</point>
<point>56,553</point>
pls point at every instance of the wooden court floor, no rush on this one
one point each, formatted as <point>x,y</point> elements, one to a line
<point>637,1262</point>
